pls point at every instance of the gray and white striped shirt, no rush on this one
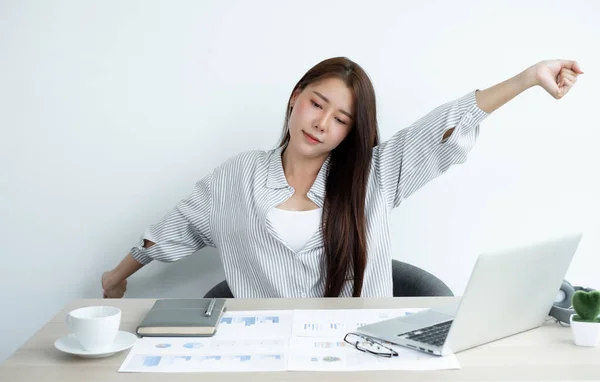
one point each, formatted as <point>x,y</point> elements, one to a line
<point>228,209</point>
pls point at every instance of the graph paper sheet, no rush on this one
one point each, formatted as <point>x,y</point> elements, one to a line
<point>317,343</point>
<point>300,340</point>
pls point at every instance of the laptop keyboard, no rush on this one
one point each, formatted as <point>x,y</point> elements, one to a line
<point>432,335</point>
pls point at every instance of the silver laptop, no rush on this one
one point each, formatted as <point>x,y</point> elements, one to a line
<point>509,291</point>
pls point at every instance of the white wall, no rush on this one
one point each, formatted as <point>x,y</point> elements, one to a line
<point>111,110</point>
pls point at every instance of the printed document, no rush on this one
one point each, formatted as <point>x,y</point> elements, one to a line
<point>280,340</point>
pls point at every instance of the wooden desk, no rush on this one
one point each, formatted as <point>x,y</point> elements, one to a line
<point>546,353</point>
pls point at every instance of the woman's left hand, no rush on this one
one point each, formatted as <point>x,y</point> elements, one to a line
<point>557,77</point>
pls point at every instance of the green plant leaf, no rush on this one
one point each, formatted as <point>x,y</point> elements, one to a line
<point>587,304</point>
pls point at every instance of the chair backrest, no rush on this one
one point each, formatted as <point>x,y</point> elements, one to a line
<point>409,281</point>
<point>221,290</point>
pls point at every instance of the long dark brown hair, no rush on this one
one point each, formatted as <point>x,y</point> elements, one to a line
<point>343,222</point>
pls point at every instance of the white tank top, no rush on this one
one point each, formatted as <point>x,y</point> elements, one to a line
<point>295,227</point>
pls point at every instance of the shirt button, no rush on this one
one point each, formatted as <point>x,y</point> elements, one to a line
<point>303,294</point>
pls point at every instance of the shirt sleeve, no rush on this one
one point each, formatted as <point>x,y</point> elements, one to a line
<point>417,154</point>
<point>182,231</point>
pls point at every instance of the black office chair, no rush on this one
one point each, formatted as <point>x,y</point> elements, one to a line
<point>221,290</point>
<point>409,281</point>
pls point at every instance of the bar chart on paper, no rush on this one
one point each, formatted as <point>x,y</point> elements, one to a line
<point>277,341</point>
<point>250,320</point>
<point>318,343</point>
<point>256,324</point>
<point>206,363</point>
<point>244,341</point>
<point>317,323</point>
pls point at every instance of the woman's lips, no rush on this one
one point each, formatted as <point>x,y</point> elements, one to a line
<point>310,138</point>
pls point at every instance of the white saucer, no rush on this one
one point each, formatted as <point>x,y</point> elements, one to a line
<point>70,344</point>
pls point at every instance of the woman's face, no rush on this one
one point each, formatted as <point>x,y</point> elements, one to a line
<point>321,117</point>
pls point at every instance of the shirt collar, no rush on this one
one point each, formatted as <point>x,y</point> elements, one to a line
<point>276,177</point>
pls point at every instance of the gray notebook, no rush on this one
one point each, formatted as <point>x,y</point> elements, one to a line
<point>182,318</point>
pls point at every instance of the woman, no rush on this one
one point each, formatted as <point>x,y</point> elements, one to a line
<point>310,218</point>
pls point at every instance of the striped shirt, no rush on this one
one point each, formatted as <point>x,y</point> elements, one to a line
<point>228,209</point>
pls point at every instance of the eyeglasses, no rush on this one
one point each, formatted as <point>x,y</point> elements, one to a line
<point>369,345</point>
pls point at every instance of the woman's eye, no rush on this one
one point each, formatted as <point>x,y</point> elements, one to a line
<point>319,106</point>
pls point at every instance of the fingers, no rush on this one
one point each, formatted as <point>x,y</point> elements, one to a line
<point>566,81</point>
<point>573,65</point>
<point>567,72</point>
<point>566,76</point>
<point>576,68</point>
<point>116,292</point>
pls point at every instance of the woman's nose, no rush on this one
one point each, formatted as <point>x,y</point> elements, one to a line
<point>323,122</point>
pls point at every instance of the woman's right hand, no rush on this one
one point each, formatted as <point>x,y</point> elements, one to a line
<point>113,288</point>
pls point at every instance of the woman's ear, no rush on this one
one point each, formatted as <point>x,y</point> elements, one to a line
<point>294,97</point>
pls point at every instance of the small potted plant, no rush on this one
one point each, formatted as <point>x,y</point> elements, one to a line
<point>585,325</point>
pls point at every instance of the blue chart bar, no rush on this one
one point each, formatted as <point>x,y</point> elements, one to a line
<point>274,319</point>
<point>210,357</point>
<point>249,321</point>
<point>193,345</point>
<point>243,358</point>
<point>335,326</point>
<point>151,361</point>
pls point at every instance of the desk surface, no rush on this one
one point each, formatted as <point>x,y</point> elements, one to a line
<point>546,353</point>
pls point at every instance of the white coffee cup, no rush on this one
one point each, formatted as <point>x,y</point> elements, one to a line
<point>95,327</point>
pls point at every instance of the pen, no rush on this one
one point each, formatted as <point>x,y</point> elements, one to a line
<point>210,307</point>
